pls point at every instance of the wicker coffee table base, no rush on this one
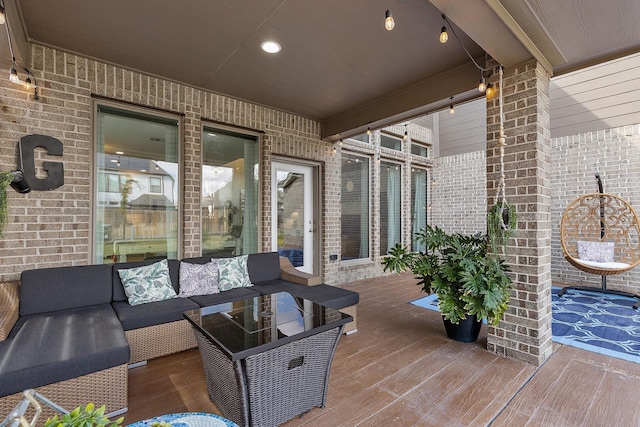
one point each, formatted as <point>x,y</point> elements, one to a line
<point>271,387</point>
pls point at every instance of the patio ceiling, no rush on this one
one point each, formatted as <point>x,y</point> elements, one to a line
<point>338,64</point>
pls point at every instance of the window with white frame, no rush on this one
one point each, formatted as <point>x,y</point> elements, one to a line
<point>419,149</point>
<point>390,205</point>
<point>419,204</point>
<point>155,184</point>
<point>109,182</point>
<point>363,137</point>
<point>355,204</point>
<point>392,142</point>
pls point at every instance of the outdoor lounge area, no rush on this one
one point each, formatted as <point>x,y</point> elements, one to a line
<point>400,369</point>
<point>147,149</point>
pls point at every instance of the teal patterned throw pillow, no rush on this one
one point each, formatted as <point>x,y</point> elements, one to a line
<point>233,273</point>
<point>148,283</point>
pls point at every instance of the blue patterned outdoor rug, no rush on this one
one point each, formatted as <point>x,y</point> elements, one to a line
<point>602,323</point>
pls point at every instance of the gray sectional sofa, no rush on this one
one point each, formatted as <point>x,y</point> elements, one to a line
<point>72,333</point>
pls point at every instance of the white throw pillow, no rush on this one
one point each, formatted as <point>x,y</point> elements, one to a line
<point>595,251</point>
<point>198,279</point>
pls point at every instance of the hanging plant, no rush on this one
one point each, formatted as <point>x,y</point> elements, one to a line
<point>502,219</point>
<point>5,179</point>
<point>502,222</point>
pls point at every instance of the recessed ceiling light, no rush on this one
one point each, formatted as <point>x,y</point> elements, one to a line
<point>120,152</point>
<point>271,47</point>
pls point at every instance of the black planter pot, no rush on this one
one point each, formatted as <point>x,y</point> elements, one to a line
<point>466,330</point>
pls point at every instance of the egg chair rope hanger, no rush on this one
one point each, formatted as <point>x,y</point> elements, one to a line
<point>600,234</point>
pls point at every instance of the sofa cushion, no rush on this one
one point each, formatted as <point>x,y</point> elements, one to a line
<point>148,283</point>
<point>233,273</point>
<point>198,279</point>
<point>52,347</point>
<point>235,294</point>
<point>52,289</point>
<point>118,289</point>
<point>327,295</point>
<point>155,313</point>
<point>263,266</point>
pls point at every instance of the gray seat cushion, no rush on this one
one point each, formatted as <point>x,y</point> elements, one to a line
<point>51,289</point>
<point>327,295</point>
<point>153,313</point>
<point>52,347</point>
<point>235,294</point>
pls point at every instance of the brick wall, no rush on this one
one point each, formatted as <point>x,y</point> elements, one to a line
<point>459,193</point>
<point>52,228</point>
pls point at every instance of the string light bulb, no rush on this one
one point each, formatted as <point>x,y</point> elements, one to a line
<point>3,18</point>
<point>13,76</point>
<point>482,86</point>
<point>368,131</point>
<point>490,90</point>
<point>443,31</point>
<point>451,109</point>
<point>389,23</point>
<point>443,35</point>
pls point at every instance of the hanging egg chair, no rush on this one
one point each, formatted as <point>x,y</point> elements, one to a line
<point>600,234</point>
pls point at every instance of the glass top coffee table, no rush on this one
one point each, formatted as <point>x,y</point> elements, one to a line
<point>267,358</point>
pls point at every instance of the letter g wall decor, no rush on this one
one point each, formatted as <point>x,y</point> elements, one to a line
<point>55,170</point>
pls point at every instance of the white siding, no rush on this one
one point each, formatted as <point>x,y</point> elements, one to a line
<point>465,131</point>
<point>600,97</point>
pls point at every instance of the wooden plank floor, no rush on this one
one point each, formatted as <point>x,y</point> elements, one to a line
<point>400,369</point>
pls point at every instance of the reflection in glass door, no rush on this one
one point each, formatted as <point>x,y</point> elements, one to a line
<point>293,214</point>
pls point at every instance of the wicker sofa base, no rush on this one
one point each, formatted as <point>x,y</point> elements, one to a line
<point>160,340</point>
<point>107,387</point>
<point>272,387</point>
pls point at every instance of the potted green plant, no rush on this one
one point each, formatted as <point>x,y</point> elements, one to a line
<point>471,282</point>
<point>88,416</point>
